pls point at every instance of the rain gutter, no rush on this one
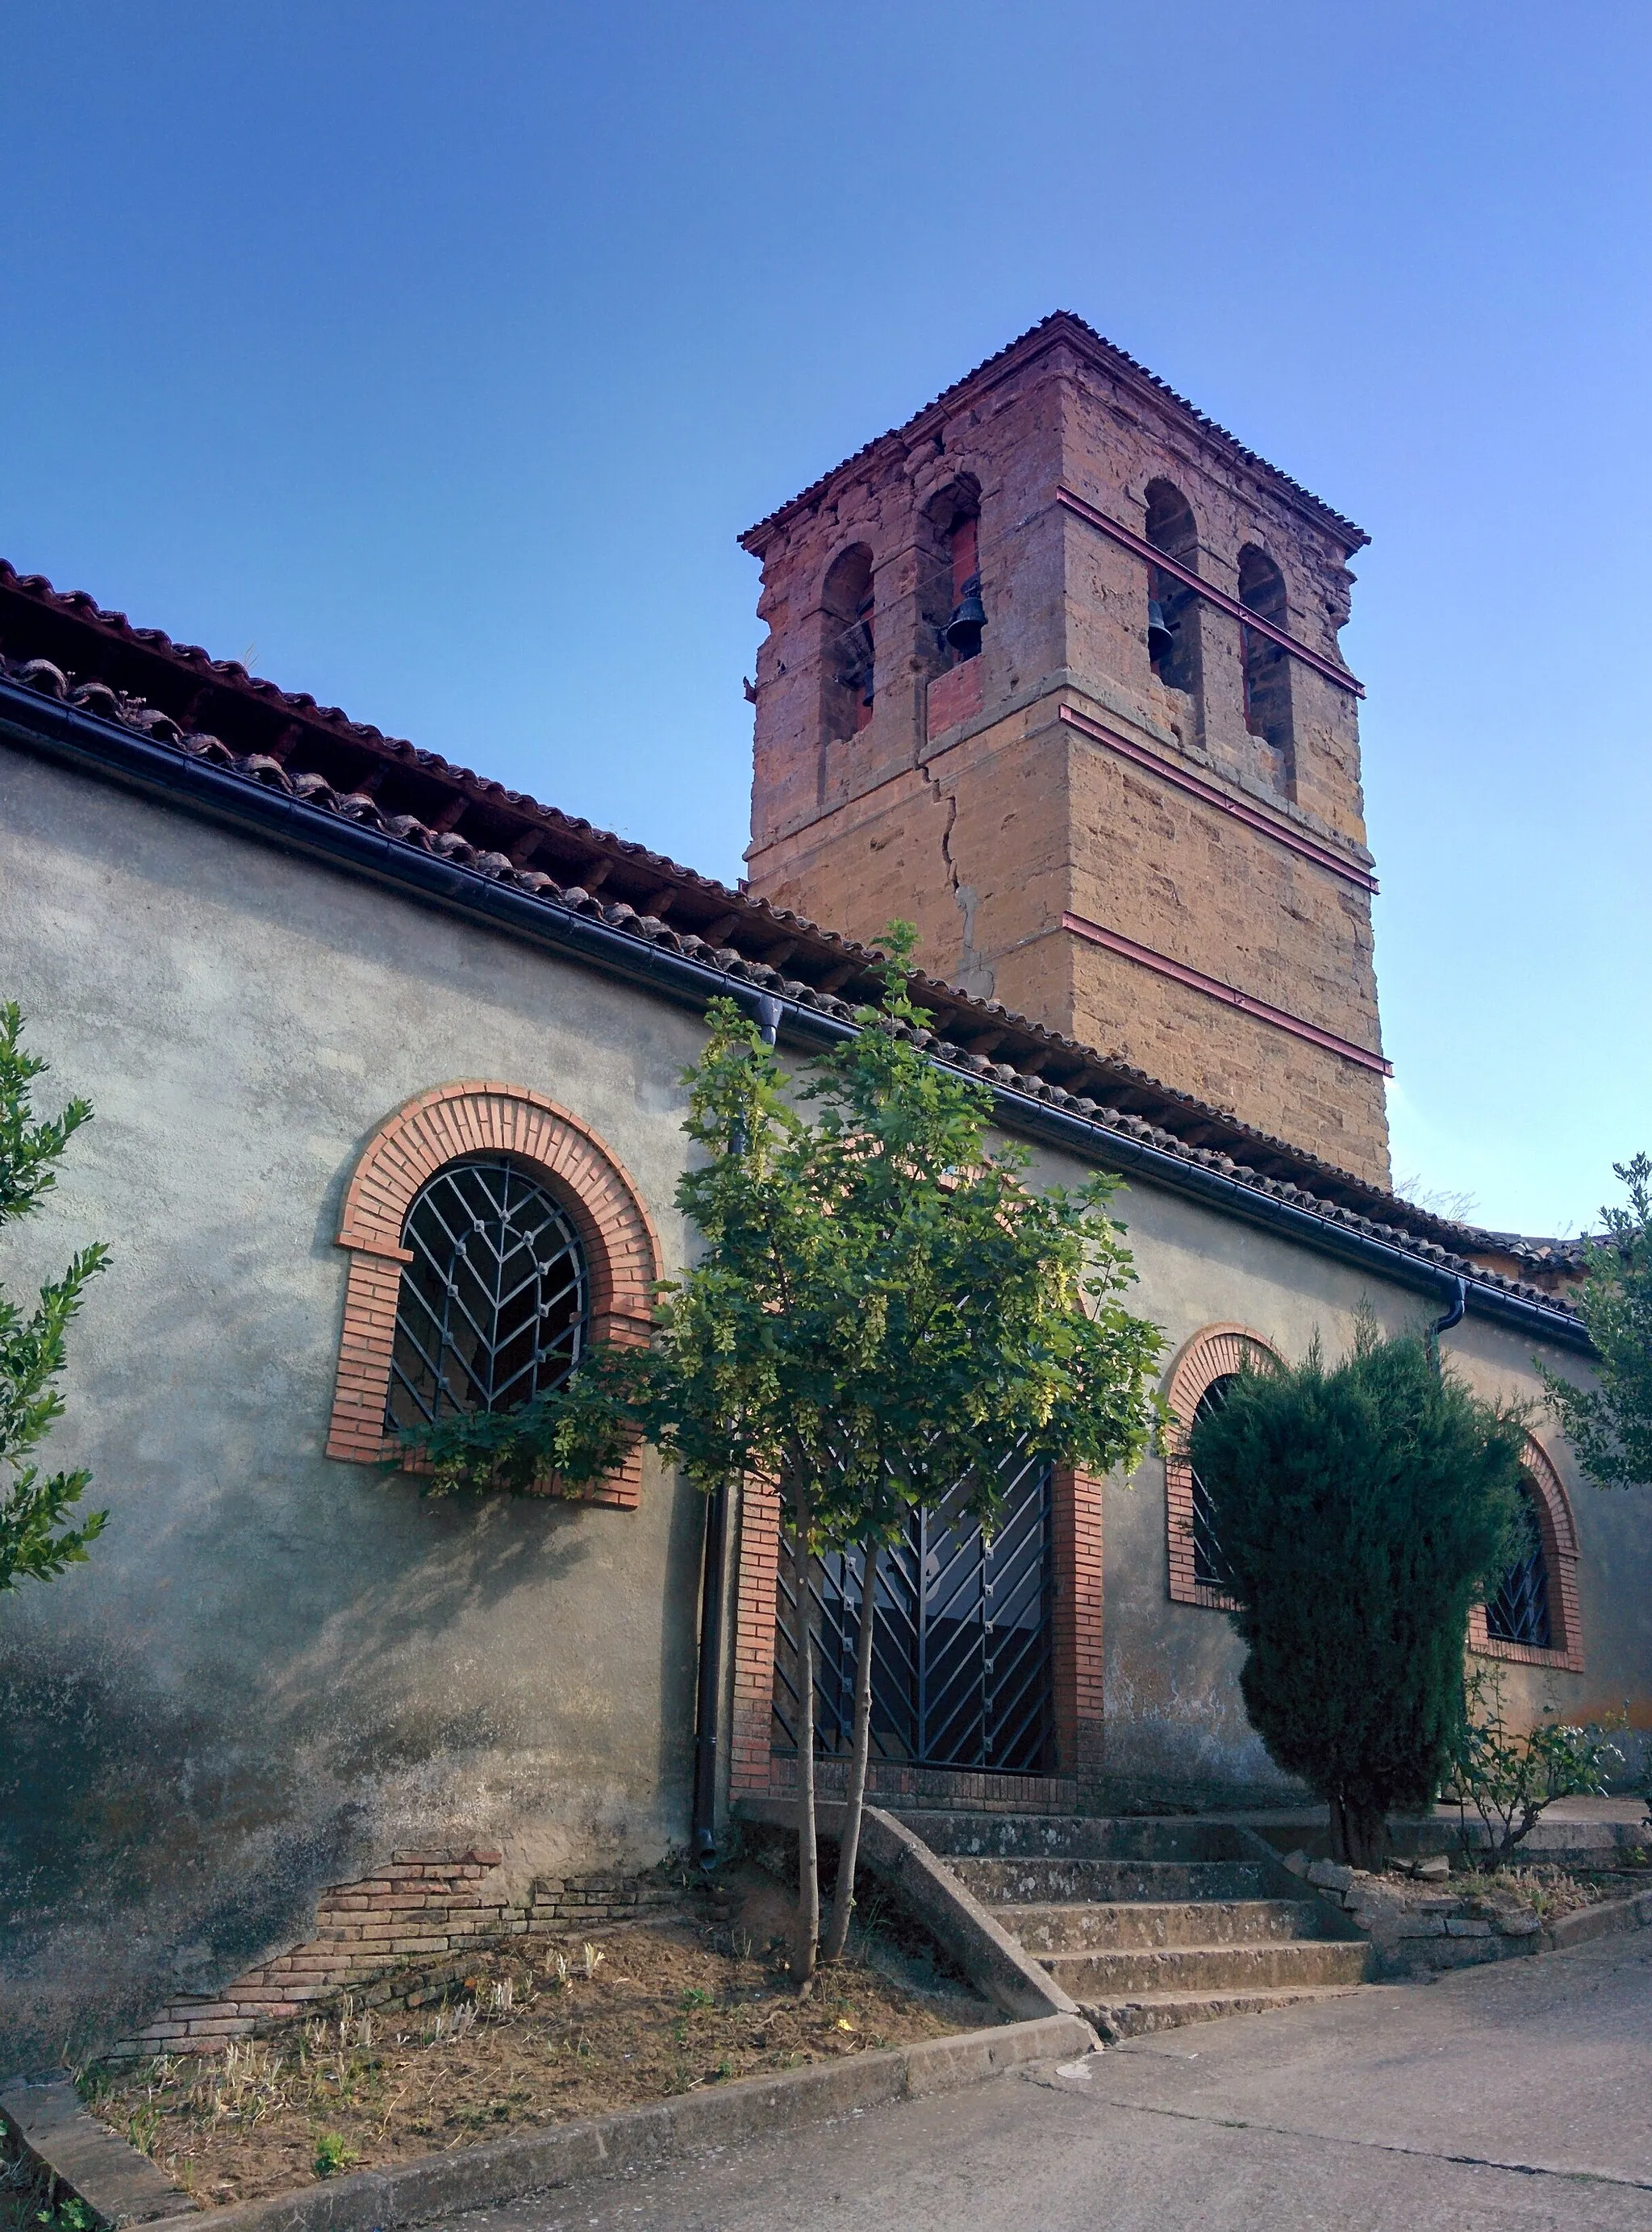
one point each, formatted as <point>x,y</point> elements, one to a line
<point>161,772</point>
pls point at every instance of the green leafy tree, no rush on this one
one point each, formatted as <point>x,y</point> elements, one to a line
<point>37,1538</point>
<point>1361,1511</point>
<point>884,1308</point>
<point>1609,1426</point>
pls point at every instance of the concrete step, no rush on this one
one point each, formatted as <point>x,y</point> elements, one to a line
<point>1125,1974</point>
<point>1155,2011</point>
<point>1043,1881</point>
<point>1053,1836</point>
<point>1129,1925</point>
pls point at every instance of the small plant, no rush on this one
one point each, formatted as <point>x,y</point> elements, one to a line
<point>143,2128</point>
<point>66,2216</point>
<point>1511,1777</point>
<point>593,1960</point>
<point>332,2155</point>
<point>504,1996</point>
<point>695,1995</point>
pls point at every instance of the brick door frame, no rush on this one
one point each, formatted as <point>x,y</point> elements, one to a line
<point>756,1770</point>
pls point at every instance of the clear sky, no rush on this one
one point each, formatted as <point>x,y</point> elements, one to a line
<point>431,358</point>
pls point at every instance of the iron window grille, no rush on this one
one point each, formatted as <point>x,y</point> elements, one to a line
<point>963,1660</point>
<point>1517,1610</point>
<point>1209,1566</point>
<point>495,1306</point>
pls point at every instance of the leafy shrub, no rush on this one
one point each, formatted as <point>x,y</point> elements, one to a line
<point>1361,1511</point>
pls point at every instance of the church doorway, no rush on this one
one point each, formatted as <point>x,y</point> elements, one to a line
<point>963,1663</point>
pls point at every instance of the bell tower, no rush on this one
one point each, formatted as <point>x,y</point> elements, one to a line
<point>1053,671</point>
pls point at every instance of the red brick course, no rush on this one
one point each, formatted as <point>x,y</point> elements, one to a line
<point>621,1246</point>
<point>365,1932</point>
<point>1215,1351</point>
<point>1559,1534</point>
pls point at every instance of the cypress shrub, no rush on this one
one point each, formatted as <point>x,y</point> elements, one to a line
<point>1360,1512</point>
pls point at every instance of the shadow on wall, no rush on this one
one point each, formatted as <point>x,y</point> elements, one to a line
<point>1173,1747</point>
<point>159,1833</point>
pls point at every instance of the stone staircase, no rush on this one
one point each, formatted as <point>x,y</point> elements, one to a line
<point>1151,1923</point>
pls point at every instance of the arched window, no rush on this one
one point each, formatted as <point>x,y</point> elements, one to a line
<point>1199,1382</point>
<point>1172,607</point>
<point>1532,1615</point>
<point>848,652</point>
<point>494,1306</point>
<point>1209,1569</point>
<point>491,1236</point>
<point>1267,669</point>
<point>1518,1609</point>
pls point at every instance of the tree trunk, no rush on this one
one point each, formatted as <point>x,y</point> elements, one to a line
<point>849,1843</point>
<point>808,1863</point>
<point>1359,1834</point>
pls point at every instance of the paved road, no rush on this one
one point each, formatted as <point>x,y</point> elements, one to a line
<point>1517,2098</point>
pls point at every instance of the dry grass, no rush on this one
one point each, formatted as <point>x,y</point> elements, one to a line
<point>536,2035</point>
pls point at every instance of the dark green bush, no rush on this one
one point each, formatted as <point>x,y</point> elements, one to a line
<point>1361,1511</point>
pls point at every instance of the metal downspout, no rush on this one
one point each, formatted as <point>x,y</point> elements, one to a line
<point>713,1556</point>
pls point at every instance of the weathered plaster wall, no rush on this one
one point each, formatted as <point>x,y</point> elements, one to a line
<point>1177,1733</point>
<point>275,1669</point>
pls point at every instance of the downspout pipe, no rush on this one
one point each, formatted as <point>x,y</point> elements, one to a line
<point>1452,1316</point>
<point>705,1715</point>
<point>714,1556</point>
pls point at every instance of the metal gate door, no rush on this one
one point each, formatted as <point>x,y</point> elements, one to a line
<point>962,1652</point>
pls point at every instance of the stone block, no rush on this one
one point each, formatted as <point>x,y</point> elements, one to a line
<point>1463,1925</point>
<point>1329,1875</point>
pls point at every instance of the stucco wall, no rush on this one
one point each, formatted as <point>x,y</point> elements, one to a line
<point>1177,1733</point>
<point>275,1668</point>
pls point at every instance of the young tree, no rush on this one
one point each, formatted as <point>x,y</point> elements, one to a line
<point>37,1540</point>
<point>1360,1512</point>
<point>883,1309</point>
<point>1611,1426</point>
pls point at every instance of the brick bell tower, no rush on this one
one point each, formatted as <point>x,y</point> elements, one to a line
<point>1053,671</point>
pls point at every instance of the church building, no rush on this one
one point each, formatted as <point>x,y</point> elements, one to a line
<point>386,1060</point>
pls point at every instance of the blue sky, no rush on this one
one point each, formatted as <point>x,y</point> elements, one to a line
<point>430,359</point>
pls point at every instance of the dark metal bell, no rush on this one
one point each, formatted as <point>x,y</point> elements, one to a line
<point>963,629</point>
<point>1161,636</point>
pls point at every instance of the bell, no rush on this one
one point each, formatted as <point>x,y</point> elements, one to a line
<point>1161,636</point>
<point>963,631</point>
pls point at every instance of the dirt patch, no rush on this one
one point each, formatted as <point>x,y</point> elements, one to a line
<point>541,2033</point>
<point>1546,1889</point>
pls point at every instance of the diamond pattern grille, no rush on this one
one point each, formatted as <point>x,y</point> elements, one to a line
<point>961,1654</point>
<point>1209,1566</point>
<point>1519,1610</point>
<point>493,1307</point>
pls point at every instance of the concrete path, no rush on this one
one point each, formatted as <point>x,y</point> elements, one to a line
<point>1514,2098</point>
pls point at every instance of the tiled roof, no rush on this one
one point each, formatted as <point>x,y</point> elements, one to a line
<point>66,648</point>
<point>1059,326</point>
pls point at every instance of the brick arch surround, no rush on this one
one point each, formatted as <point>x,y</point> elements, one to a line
<point>621,1248</point>
<point>1559,1532</point>
<point>1212,1353</point>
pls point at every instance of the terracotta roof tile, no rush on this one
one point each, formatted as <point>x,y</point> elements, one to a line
<point>67,648</point>
<point>1059,325</point>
